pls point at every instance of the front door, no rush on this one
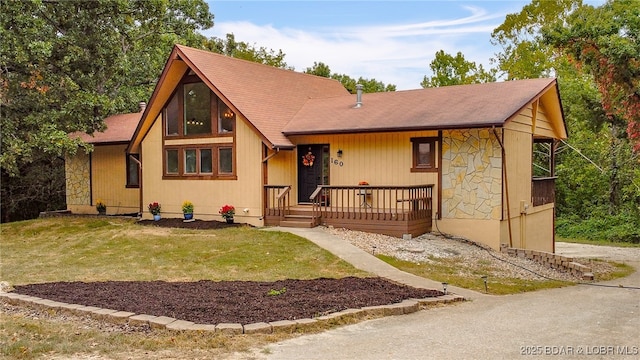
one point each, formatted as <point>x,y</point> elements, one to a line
<point>311,169</point>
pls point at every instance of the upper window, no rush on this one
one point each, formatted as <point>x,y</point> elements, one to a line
<point>194,110</point>
<point>424,154</point>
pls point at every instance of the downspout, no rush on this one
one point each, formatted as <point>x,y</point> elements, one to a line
<point>506,183</point>
<point>139,181</point>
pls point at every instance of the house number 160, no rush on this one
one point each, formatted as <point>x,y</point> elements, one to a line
<point>337,162</point>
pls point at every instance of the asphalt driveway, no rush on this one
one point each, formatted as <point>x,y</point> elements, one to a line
<point>571,323</point>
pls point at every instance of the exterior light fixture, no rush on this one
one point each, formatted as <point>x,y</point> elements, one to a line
<point>444,287</point>
<point>340,153</point>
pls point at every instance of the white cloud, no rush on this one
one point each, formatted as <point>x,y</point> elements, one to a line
<point>392,53</point>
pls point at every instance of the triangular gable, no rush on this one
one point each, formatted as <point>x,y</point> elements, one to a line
<point>267,97</point>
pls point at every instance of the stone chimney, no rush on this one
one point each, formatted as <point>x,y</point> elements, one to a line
<point>142,105</point>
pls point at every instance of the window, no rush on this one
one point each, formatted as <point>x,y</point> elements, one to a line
<point>194,111</point>
<point>424,154</point>
<point>226,160</point>
<point>207,162</point>
<point>226,118</point>
<point>172,161</point>
<point>133,176</point>
<point>197,109</point>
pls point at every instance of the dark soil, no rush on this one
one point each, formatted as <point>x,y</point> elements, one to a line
<point>195,224</point>
<point>244,302</point>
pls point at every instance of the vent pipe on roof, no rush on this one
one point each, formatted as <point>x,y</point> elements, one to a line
<point>142,105</point>
<point>359,88</point>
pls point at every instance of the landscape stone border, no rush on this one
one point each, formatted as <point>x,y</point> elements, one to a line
<point>550,260</point>
<point>287,326</point>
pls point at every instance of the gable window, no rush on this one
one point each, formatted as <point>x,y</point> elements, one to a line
<point>133,176</point>
<point>199,134</point>
<point>195,111</point>
<point>424,154</point>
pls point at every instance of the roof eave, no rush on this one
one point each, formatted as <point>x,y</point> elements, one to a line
<point>395,129</point>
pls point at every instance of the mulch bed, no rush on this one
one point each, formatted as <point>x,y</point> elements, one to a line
<point>195,224</point>
<point>244,302</point>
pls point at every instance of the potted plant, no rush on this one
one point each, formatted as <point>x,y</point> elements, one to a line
<point>101,207</point>
<point>187,210</point>
<point>227,213</point>
<point>154,209</point>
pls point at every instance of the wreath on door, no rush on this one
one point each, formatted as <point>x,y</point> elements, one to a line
<point>308,159</point>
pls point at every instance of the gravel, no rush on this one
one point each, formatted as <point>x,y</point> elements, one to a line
<point>432,248</point>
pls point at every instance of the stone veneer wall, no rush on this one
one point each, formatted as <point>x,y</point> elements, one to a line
<point>471,175</point>
<point>78,181</point>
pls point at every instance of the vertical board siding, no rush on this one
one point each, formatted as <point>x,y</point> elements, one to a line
<point>378,158</point>
<point>208,196</point>
<point>109,179</point>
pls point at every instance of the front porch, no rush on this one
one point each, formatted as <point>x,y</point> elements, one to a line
<point>389,210</point>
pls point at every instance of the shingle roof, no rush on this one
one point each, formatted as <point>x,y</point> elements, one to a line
<point>462,106</point>
<point>268,97</point>
<point>278,103</point>
<point>119,129</point>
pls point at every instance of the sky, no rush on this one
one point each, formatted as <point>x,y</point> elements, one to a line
<point>391,41</point>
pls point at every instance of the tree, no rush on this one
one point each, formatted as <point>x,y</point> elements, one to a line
<point>524,55</point>
<point>598,176</point>
<point>449,70</point>
<point>603,41</point>
<point>66,65</point>
<point>369,85</point>
<point>241,50</point>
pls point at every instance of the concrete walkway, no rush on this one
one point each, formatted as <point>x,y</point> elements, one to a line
<point>367,262</point>
<point>576,322</point>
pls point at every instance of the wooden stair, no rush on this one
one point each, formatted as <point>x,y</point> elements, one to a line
<point>300,217</point>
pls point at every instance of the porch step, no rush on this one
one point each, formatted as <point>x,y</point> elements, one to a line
<point>299,221</point>
<point>297,224</point>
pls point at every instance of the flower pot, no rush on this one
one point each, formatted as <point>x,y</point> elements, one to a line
<point>188,216</point>
<point>229,220</point>
<point>102,212</point>
<point>156,217</point>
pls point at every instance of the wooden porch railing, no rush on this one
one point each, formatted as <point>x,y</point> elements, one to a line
<point>278,200</point>
<point>377,203</point>
<point>543,190</point>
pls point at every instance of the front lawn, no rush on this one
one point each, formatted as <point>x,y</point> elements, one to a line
<point>106,248</point>
<point>99,249</point>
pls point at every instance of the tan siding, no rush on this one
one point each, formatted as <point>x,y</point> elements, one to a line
<point>518,160</point>
<point>109,180</point>
<point>378,158</point>
<point>544,127</point>
<point>207,195</point>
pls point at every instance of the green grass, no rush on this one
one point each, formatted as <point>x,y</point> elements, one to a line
<point>455,272</point>
<point>83,249</point>
<point>600,242</point>
<point>97,249</point>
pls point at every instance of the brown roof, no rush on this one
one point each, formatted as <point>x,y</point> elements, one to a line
<point>463,106</point>
<point>268,97</point>
<point>278,102</point>
<point>119,129</point>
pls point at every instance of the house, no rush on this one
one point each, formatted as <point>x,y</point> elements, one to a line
<point>106,173</point>
<point>293,149</point>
